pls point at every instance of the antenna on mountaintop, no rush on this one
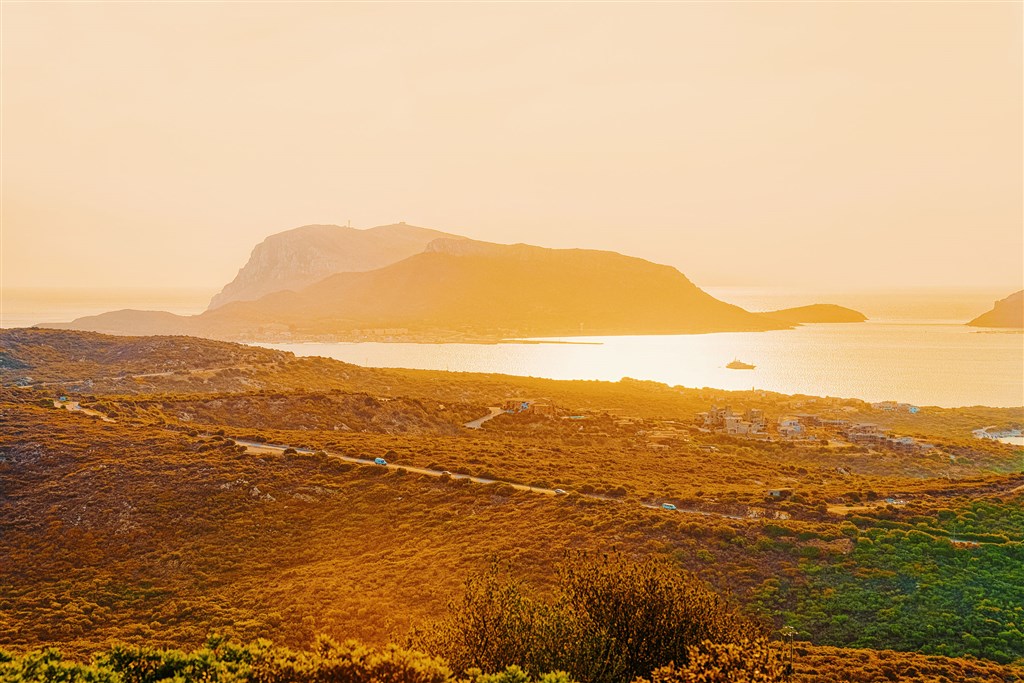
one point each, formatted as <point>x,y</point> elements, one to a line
<point>349,224</point>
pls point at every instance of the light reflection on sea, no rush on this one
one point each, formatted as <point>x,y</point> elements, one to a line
<point>920,362</point>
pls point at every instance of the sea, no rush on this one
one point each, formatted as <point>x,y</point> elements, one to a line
<point>914,348</point>
<point>28,306</point>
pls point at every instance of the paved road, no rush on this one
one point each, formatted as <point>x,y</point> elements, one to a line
<point>705,513</point>
<point>259,446</point>
<point>74,407</point>
<point>476,424</point>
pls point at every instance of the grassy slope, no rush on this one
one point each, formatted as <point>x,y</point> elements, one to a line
<point>163,535</point>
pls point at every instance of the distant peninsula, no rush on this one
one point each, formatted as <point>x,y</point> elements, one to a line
<point>1008,312</point>
<point>404,283</point>
<point>817,313</point>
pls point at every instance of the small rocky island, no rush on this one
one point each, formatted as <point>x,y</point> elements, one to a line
<point>817,313</point>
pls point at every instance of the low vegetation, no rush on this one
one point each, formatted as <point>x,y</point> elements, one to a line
<point>168,530</point>
<point>607,620</point>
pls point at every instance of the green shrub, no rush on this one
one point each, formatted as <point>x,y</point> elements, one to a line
<point>610,620</point>
<point>748,661</point>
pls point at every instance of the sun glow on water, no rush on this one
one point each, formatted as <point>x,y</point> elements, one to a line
<point>925,364</point>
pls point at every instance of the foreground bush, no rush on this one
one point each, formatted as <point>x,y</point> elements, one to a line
<point>225,662</point>
<point>220,661</point>
<point>49,665</point>
<point>610,620</point>
<point>744,662</point>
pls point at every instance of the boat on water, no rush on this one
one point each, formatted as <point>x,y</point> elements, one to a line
<point>737,364</point>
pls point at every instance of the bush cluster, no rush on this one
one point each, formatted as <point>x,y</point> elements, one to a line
<point>609,620</point>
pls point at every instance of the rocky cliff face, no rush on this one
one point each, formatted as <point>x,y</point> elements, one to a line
<point>297,258</point>
<point>1008,312</point>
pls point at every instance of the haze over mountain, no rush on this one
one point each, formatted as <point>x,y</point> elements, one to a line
<point>1008,312</point>
<point>616,126</point>
<point>489,288</point>
<point>454,287</point>
<point>296,258</point>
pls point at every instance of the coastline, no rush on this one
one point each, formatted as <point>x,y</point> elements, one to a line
<point>854,361</point>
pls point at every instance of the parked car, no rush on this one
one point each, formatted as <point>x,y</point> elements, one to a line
<point>668,506</point>
<point>560,492</point>
<point>380,461</point>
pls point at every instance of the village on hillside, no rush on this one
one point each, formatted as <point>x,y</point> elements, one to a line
<point>749,423</point>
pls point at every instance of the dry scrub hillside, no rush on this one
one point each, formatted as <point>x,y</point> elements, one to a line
<point>600,455</point>
<point>158,528</point>
<point>166,535</point>
<point>333,411</point>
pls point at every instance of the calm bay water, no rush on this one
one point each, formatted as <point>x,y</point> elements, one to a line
<point>911,359</point>
<point>925,363</point>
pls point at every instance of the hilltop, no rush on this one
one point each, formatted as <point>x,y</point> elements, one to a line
<point>296,258</point>
<point>1008,312</point>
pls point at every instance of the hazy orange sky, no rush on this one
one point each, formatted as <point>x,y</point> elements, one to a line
<point>820,145</point>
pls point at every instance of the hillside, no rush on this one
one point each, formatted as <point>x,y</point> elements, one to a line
<point>31,356</point>
<point>168,528</point>
<point>296,258</point>
<point>1008,312</point>
<point>817,313</point>
<point>167,535</point>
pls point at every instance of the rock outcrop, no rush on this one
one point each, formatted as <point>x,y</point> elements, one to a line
<point>297,258</point>
<point>1008,312</point>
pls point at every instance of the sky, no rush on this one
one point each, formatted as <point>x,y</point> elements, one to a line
<point>809,145</point>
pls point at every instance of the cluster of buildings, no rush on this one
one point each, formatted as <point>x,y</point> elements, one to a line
<point>534,406</point>
<point>752,423</point>
<point>893,406</point>
<point>381,332</point>
<point>872,435</point>
<point>995,433</point>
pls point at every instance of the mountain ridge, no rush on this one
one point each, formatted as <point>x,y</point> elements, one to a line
<point>301,256</point>
<point>490,290</point>
<point>451,289</point>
